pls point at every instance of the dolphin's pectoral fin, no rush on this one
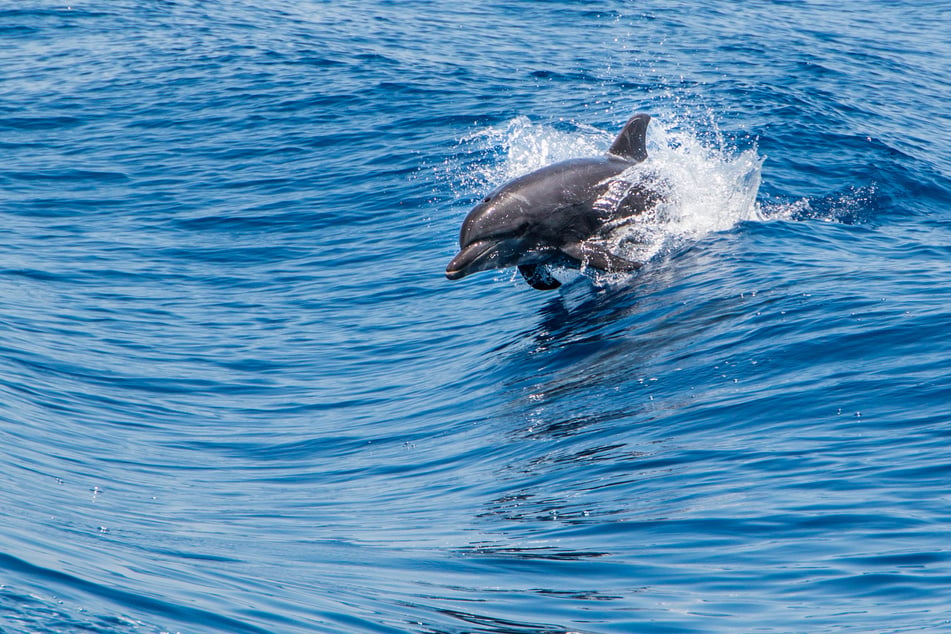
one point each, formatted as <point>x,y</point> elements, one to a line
<point>631,143</point>
<point>538,276</point>
<point>597,256</point>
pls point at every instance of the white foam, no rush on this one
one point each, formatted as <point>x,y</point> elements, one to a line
<point>844,207</point>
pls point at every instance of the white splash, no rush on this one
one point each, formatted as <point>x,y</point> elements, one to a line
<point>526,147</point>
<point>704,189</point>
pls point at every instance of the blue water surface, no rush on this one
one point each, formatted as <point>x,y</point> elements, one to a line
<point>237,393</point>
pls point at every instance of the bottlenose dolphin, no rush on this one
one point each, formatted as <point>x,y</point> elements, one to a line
<point>560,215</point>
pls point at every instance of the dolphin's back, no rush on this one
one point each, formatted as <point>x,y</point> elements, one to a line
<point>569,182</point>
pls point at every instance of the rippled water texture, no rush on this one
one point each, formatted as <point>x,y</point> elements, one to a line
<point>237,393</point>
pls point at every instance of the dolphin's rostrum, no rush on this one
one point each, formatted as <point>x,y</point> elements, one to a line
<point>560,215</point>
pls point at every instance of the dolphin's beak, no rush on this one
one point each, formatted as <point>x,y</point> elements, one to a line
<point>468,259</point>
<point>483,255</point>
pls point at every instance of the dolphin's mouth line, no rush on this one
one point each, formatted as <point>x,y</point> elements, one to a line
<point>455,274</point>
<point>482,255</point>
<point>462,264</point>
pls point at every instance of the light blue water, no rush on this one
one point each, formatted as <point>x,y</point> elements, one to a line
<point>237,393</point>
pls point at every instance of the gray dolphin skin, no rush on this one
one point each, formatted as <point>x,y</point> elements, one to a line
<point>559,215</point>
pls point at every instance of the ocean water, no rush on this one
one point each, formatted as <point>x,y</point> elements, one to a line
<point>237,393</point>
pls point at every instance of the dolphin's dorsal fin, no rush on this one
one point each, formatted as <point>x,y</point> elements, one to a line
<point>630,143</point>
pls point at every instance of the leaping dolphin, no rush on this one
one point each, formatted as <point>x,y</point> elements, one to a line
<point>560,215</point>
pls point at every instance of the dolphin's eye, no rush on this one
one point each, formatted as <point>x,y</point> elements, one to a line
<point>486,199</point>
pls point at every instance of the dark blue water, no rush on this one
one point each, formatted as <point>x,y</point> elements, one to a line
<point>237,393</point>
